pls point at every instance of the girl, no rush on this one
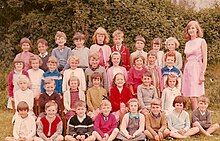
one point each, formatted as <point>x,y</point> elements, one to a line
<point>172,44</point>
<point>196,63</point>
<point>115,68</point>
<point>74,71</point>
<point>71,96</point>
<point>169,93</point>
<point>18,70</point>
<point>25,55</point>
<point>135,74</point>
<point>132,126</point>
<point>100,40</point>
<point>178,120</point>
<point>119,95</point>
<point>156,46</point>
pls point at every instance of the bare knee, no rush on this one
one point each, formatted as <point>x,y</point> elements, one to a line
<point>196,124</point>
<point>216,125</point>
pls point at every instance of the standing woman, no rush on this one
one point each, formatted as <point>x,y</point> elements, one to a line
<point>196,63</point>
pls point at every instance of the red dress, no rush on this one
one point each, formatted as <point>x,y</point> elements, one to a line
<point>74,97</point>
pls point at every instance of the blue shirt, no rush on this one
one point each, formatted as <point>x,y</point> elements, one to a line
<point>166,71</point>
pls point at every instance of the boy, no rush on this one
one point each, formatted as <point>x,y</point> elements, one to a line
<point>139,45</point>
<point>156,124</point>
<point>105,125</point>
<point>80,125</point>
<point>50,126</point>
<point>170,59</point>
<point>42,46</point>
<point>49,94</point>
<point>95,67</point>
<point>201,117</point>
<point>81,51</point>
<point>118,38</point>
<point>62,52</point>
<point>52,72</point>
<point>25,126</point>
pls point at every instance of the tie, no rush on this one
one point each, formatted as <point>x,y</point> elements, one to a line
<point>102,62</point>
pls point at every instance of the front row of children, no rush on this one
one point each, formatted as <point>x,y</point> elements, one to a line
<point>134,125</point>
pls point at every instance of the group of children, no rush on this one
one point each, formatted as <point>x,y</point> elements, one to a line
<point>103,93</point>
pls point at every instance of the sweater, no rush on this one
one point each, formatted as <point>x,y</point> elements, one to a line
<point>204,120</point>
<point>25,56</point>
<point>136,53</point>
<point>83,55</point>
<point>27,96</point>
<point>45,60</point>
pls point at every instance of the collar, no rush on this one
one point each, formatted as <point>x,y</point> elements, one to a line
<point>131,116</point>
<point>43,55</point>
<point>49,93</point>
<point>81,118</point>
<point>144,87</point>
<point>76,48</point>
<point>172,89</point>
<point>156,116</point>
<point>100,44</point>
<point>170,68</point>
<point>16,72</point>
<point>93,69</point>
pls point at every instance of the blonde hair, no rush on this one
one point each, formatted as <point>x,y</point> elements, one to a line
<point>72,57</point>
<point>171,76</point>
<point>49,80</point>
<point>35,57</point>
<point>24,78</point>
<point>198,27</point>
<point>50,104</point>
<point>53,59</point>
<point>152,53</point>
<point>60,34</point>
<point>170,39</point>
<point>25,40</point>
<point>80,103</point>
<point>156,101</point>
<point>101,31</point>
<point>74,78</point>
<point>94,54</point>
<point>118,33</point>
<point>105,102</point>
<point>204,99</point>
<point>133,100</point>
<point>78,36</point>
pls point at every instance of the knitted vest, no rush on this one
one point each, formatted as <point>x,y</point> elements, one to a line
<point>53,125</point>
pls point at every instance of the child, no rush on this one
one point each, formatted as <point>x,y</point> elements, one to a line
<point>178,120</point>
<point>95,67</point>
<point>115,68</point>
<point>42,46</point>
<point>169,93</point>
<point>170,59</point>
<point>155,71</point>
<point>132,125</point>
<point>52,72</point>
<point>171,44</point>
<point>156,123</point>
<point>119,96</point>
<point>80,125</point>
<point>73,61</point>
<point>50,126</point>
<point>118,38</point>
<point>156,46</point>
<point>24,127</point>
<point>139,45</point>
<point>146,92</point>
<point>61,52</point>
<point>100,40</point>
<point>105,125</point>
<point>18,70</point>
<point>49,94</point>
<point>71,96</point>
<point>80,50</point>
<point>201,117</point>
<point>95,94</point>
<point>135,74</point>
<point>25,55</point>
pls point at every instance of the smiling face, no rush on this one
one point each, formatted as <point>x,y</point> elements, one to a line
<point>106,109</point>
<point>73,63</point>
<point>52,66</point>
<point>94,62</point>
<point>96,82</point>
<point>146,80</point>
<point>155,109</point>
<point>151,59</point>
<point>119,80</point>
<point>116,58</point>
<point>192,31</point>
<point>35,64</point>
<point>49,87</point>
<point>23,113</point>
<point>60,41</point>
<point>42,48</point>
<point>51,111</point>
<point>178,107</point>
<point>19,66</point>
<point>74,84</point>
<point>170,60</point>
<point>80,111</point>
<point>202,106</point>
<point>139,63</point>
<point>172,82</point>
<point>156,47</point>
<point>25,47</point>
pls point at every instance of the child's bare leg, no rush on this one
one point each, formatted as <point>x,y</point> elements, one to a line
<point>38,139</point>
<point>90,138</point>
<point>177,135</point>
<point>148,134</point>
<point>202,131</point>
<point>191,131</point>
<point>194,102</point>
<point>166,133</point>
<point>113,134</point>
<point>69,138</point>
<point>96,135</point>
<point>10,139</point>
<point>212,128</point>
<point>59,138</point>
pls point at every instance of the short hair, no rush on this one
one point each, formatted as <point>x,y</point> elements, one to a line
<point>60,34</point>
<point>25,40</point>
<point>105,102</point>
<point>152,53</point>
<point>101,31</point>
<point>137,57</point>
<point>35,57</point>
<point>115,53</point>
<point>72,57</point>
<point>94,54</point>
<point>198,27</point>
<point>204,99</point>
<point>113,84</point>
<point>42,41</point>
<point>156,41</point>
<point>18,60</point>
<point>171,76</point>
<point>170,54</point>
<point>74,78</point>
<point>117,33</point>
<point>176,42</point>
<point>179,99</point>
<point>24,78</point>
<point>49,80</point>
<point>50,104</point>
<point>156,101</point>
<point>53,59</point>
<point>147,74</point>
<point>96,75</point>
<point>133,100</point>
<point>22,105</point>
<point>80,103</point>
<point>139,38</point>
<point>78,36</point>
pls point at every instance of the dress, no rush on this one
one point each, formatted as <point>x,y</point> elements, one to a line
<point>193,69</point>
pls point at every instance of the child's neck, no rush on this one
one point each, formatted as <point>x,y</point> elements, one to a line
<point>152,65</point>
<point>178,111</point>
<point>24,89</point>
<point>97,86</point>
<point>74,89</point>
<point>169,67</point>
<point>79,47</point>
<point>138,68</point>
<point>139,50</point>
<point>115,65</point>
<point>60,46</point>
<point>133,113</point>
<point>25,51</point>
<point>119,87</point>
<point>147,85</point>
<point>73,68</point>
<point>35,69</point>
<point>51,71</point>
<point>100,43</point>
<point>18,71</point>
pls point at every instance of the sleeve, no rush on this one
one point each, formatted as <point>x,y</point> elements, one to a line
<point>160,79</point>
<point>66,101</point>
<point>148,125</point>
<point>60,81</point>
<point>130,80</point>
<point>114,101</point>
<point>40,131</point>
<point>16,99</point>
<point>42,101</point>
<point>33,128</point>
<point>195,116</point>
<point>16,129</point>
<point>128,59</point>
<point>113,125</point>
<point>163,122</point>
<point>179,61</point>
<point>124,125</point>
<point>71,127</point>
<point>88,100</point>
<point>109,78</point>
<point>139,96</point>
<point>187,124</point>
<point>105,80</point>
<point>42,84</point>
<point>83,80</point>
<point>64,84</point>
<point>31,100</point>
<point>97,126</point>
<point>10,84</point>
<point>57,100</point>
<point>58,132</point>
<point>163,99</point>
<point>155,93</point>
<point>208,122</point>
<point>90,127</point>
<point>170,125</point>
<point>53,53</point>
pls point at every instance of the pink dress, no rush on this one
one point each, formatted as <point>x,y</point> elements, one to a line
<point>193,68</point>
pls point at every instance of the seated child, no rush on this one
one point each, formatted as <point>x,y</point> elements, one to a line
<point>95,94</point>
<point>105,124</point>
<point>42,46</point>
<point>49,94</point>
<point>80,126</point>
<point>132,125</point>
<point>71,96</point>
<point>156,123</point>
<point>50,126</point>
<point>201,117</point>
<point>24,127</point>
<point>178,120</point>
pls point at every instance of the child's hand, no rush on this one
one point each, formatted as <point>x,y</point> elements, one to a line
<point>22,139</point>
<point>62,72</point>
<point>106,136</point>
<point>157,137</point>
<point>182,131</point>
<point>12,99</point>
<point>160,135</point>
<point>129,136</point>
<point>144,110</point>
<point>48,139</point>
<point>83,137</point>
<point>78,137</point>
